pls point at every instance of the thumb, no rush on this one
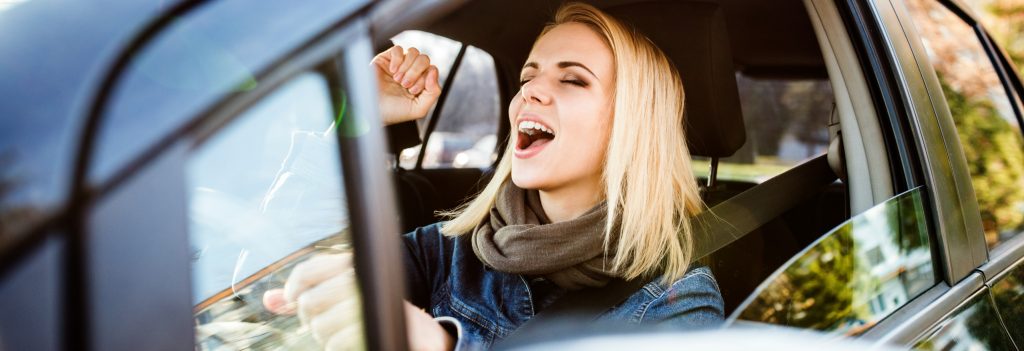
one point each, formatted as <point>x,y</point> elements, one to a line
<point>275,302</point>
<point>432,87</point>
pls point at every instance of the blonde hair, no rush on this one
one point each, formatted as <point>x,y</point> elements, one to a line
<point>648,179</point>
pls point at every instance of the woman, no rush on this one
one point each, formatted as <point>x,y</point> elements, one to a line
<point>595,185</point>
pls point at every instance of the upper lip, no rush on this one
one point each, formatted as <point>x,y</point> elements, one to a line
<point>533,118</point>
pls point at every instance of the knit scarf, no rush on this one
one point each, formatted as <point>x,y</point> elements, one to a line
<point>517,237</point>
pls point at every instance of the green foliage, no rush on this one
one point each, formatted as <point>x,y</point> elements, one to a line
<point>995,158</point>
<point>816,292</point>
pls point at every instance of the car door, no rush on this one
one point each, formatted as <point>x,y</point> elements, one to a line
<point>232,140</point>
<point>925,112</point>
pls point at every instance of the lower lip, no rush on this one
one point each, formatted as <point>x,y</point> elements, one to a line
<point>533,150</point>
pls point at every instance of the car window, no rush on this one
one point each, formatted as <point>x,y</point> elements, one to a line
<point>1004,24</point>
<point>265,192</point>
<point>973,326</point>
<point>1008,293</point>
<point>466,132</point>
<point>855,275</point>
<point>787,123</point>
<point>989,130</point>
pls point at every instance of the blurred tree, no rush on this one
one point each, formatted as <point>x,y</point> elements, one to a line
<point>995,158</point>
<point>815,292</point>
<point>1004,20</point>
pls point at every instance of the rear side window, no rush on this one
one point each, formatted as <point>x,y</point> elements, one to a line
<point>1008,293</point>
<point>974,326</point>
<point>786,122</point>
<point>465,134</point>
<point>988,128</point>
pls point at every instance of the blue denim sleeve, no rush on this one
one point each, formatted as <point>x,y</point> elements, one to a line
<point>693,301</point>
<point>424,260</point>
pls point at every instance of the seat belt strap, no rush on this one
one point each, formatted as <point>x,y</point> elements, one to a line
<point>742,214</point>
<point>714,229</point>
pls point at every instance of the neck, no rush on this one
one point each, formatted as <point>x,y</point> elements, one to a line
<point>564,204</point>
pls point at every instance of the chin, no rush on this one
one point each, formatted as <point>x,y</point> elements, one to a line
<point>527,180</point>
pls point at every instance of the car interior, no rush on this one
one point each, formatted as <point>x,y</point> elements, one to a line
<point>729,53</point>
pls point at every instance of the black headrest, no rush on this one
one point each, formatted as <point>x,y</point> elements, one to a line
<point>692,33</point>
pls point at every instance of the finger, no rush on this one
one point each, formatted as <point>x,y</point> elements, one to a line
<point>432,86</point>
<point>397,55</point>
<point>416,70</point>
<point>407,61</point>
<point>321,297</point>
<point>339,317</point>
<point>348,338</point>
<point>418,86</point>
<point>382,60</point>
<point>273,301</point>
<point>313,271</point>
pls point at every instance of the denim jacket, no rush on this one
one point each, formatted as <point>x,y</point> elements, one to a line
<point>445,277</point>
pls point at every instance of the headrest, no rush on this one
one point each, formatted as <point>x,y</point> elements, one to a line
<point>693,35</point>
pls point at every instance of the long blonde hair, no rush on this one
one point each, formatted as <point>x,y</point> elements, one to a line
<point>648,179</point>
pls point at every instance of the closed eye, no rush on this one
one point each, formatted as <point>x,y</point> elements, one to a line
<point>576,82</point>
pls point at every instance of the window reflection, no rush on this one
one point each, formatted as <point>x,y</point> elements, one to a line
<point>265,194</point>
<point>853,276</point>
<point>1009,298</point>
<point>974,326</point>
<point>988,129</point>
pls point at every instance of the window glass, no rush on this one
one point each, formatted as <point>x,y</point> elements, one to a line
<point>265,192</point>
<point>988,129</point>
<point>855,275</point>
<point>1008,294</point>
<point>465,135</point>
<point>973,326</point>
<point>1004,23</point>
<point>786,121</point>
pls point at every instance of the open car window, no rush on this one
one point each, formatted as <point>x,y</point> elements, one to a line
<point>853,276</point>
<point>265,192</point>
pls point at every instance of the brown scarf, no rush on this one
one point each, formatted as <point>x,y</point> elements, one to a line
<point>519,238</point>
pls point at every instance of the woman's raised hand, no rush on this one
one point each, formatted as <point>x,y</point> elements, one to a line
<point>407,82</point>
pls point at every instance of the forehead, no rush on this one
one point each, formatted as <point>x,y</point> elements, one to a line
<point>572,42</point>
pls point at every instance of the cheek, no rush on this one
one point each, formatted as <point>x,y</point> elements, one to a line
<point>513,108</point>
<point>590,137</point>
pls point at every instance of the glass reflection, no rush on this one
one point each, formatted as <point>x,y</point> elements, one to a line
<point>266,194</point>
<point>853,276</point>
<point>974,326</point>
<point>1009,297</point>
<point>988,129</point>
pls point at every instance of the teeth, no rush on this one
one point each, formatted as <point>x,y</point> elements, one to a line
<point>526,126</point>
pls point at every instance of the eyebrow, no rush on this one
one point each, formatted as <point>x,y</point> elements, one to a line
<point>563,64</point>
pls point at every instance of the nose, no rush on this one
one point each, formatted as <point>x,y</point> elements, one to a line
<point>536,91</point>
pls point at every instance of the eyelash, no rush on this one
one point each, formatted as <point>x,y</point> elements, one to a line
<point>575,82</point>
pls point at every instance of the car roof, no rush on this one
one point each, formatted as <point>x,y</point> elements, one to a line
<point>55,54</point>
<point>58,59</point>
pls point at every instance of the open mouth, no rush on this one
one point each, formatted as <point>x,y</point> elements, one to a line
<point>533,135</point>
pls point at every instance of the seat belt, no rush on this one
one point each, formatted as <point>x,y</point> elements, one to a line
<point>714,229</point>
<point>742,214</point>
